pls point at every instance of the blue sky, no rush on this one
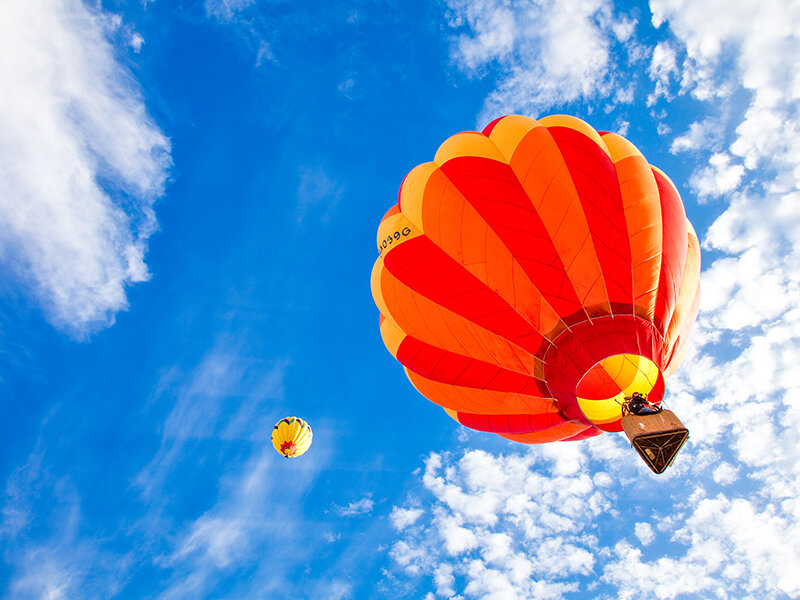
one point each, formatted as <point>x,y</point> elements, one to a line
<point>189,195</point>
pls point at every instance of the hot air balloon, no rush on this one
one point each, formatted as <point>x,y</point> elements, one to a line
<point>291,437</point>
<point>534,276</point>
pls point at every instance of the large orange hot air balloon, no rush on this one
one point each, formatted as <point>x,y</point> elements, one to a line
<point>536,274</point>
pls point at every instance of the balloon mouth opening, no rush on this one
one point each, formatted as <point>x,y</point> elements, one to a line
<point>603,388</point>
<point>288,449</point>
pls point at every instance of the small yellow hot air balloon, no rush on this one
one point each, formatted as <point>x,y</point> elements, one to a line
<point>291,437</point>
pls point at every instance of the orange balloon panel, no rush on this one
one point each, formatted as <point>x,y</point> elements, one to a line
<point>534,274</point>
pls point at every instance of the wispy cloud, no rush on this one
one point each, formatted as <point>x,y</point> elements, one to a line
<point>226,10</point>
<point>255,509</point>
<point>361,506</point>
<point>317,192</point>
<point>250,25</point>
<point>258,513</point>
<point>218,416</point>
<point>81,162</point>
<point>222,397</point>
<point>45,541</point>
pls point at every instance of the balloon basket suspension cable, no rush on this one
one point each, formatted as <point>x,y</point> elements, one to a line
<point>655,432</point>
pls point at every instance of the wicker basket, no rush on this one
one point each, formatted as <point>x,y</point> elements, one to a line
<point>657,437</point>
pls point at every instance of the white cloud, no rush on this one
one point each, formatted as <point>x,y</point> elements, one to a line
<point>504,527</point>
<point>362,506</point>
<point>333,590</point>
<point>548,53</point>
<point>762,40</point>
<point>347,86</point>
<point>411,557</point>
<point>220,539</point>
<point>403,517</point>
<point>725,474</point>
<point>457,539</point>
<point>444,580</point>
<point>136,41</point>
<point>624,96</point>
<point>549,533</point>
<point>330,537</point>
<point>663,69</point>
<point>81,162</point>
<point>625,572</point>
<point>264,53</point>
<point>623,27</point>
<point>718,178</point>
<point>622,127</point>
<point>761,32</point>
<point>644,532</point>
<point>702,135</point>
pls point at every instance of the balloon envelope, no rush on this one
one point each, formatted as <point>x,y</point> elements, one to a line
<point>291,437</point>
<point>533,275</point>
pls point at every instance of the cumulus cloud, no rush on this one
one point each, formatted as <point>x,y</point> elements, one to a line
<point>705,135</point>
<point>725,474</point>
<point>514,525</point>
<point>81,162</point>
<point>663,69</point>
<point>755,47</point>
<point>403,517</point>
<point>543,533</point>
<point>644,532</point>
<point>718,178</point>
<point>548,53</point>
<point>444,580</point>
<point>732,546</point>
<point>748,292</point>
